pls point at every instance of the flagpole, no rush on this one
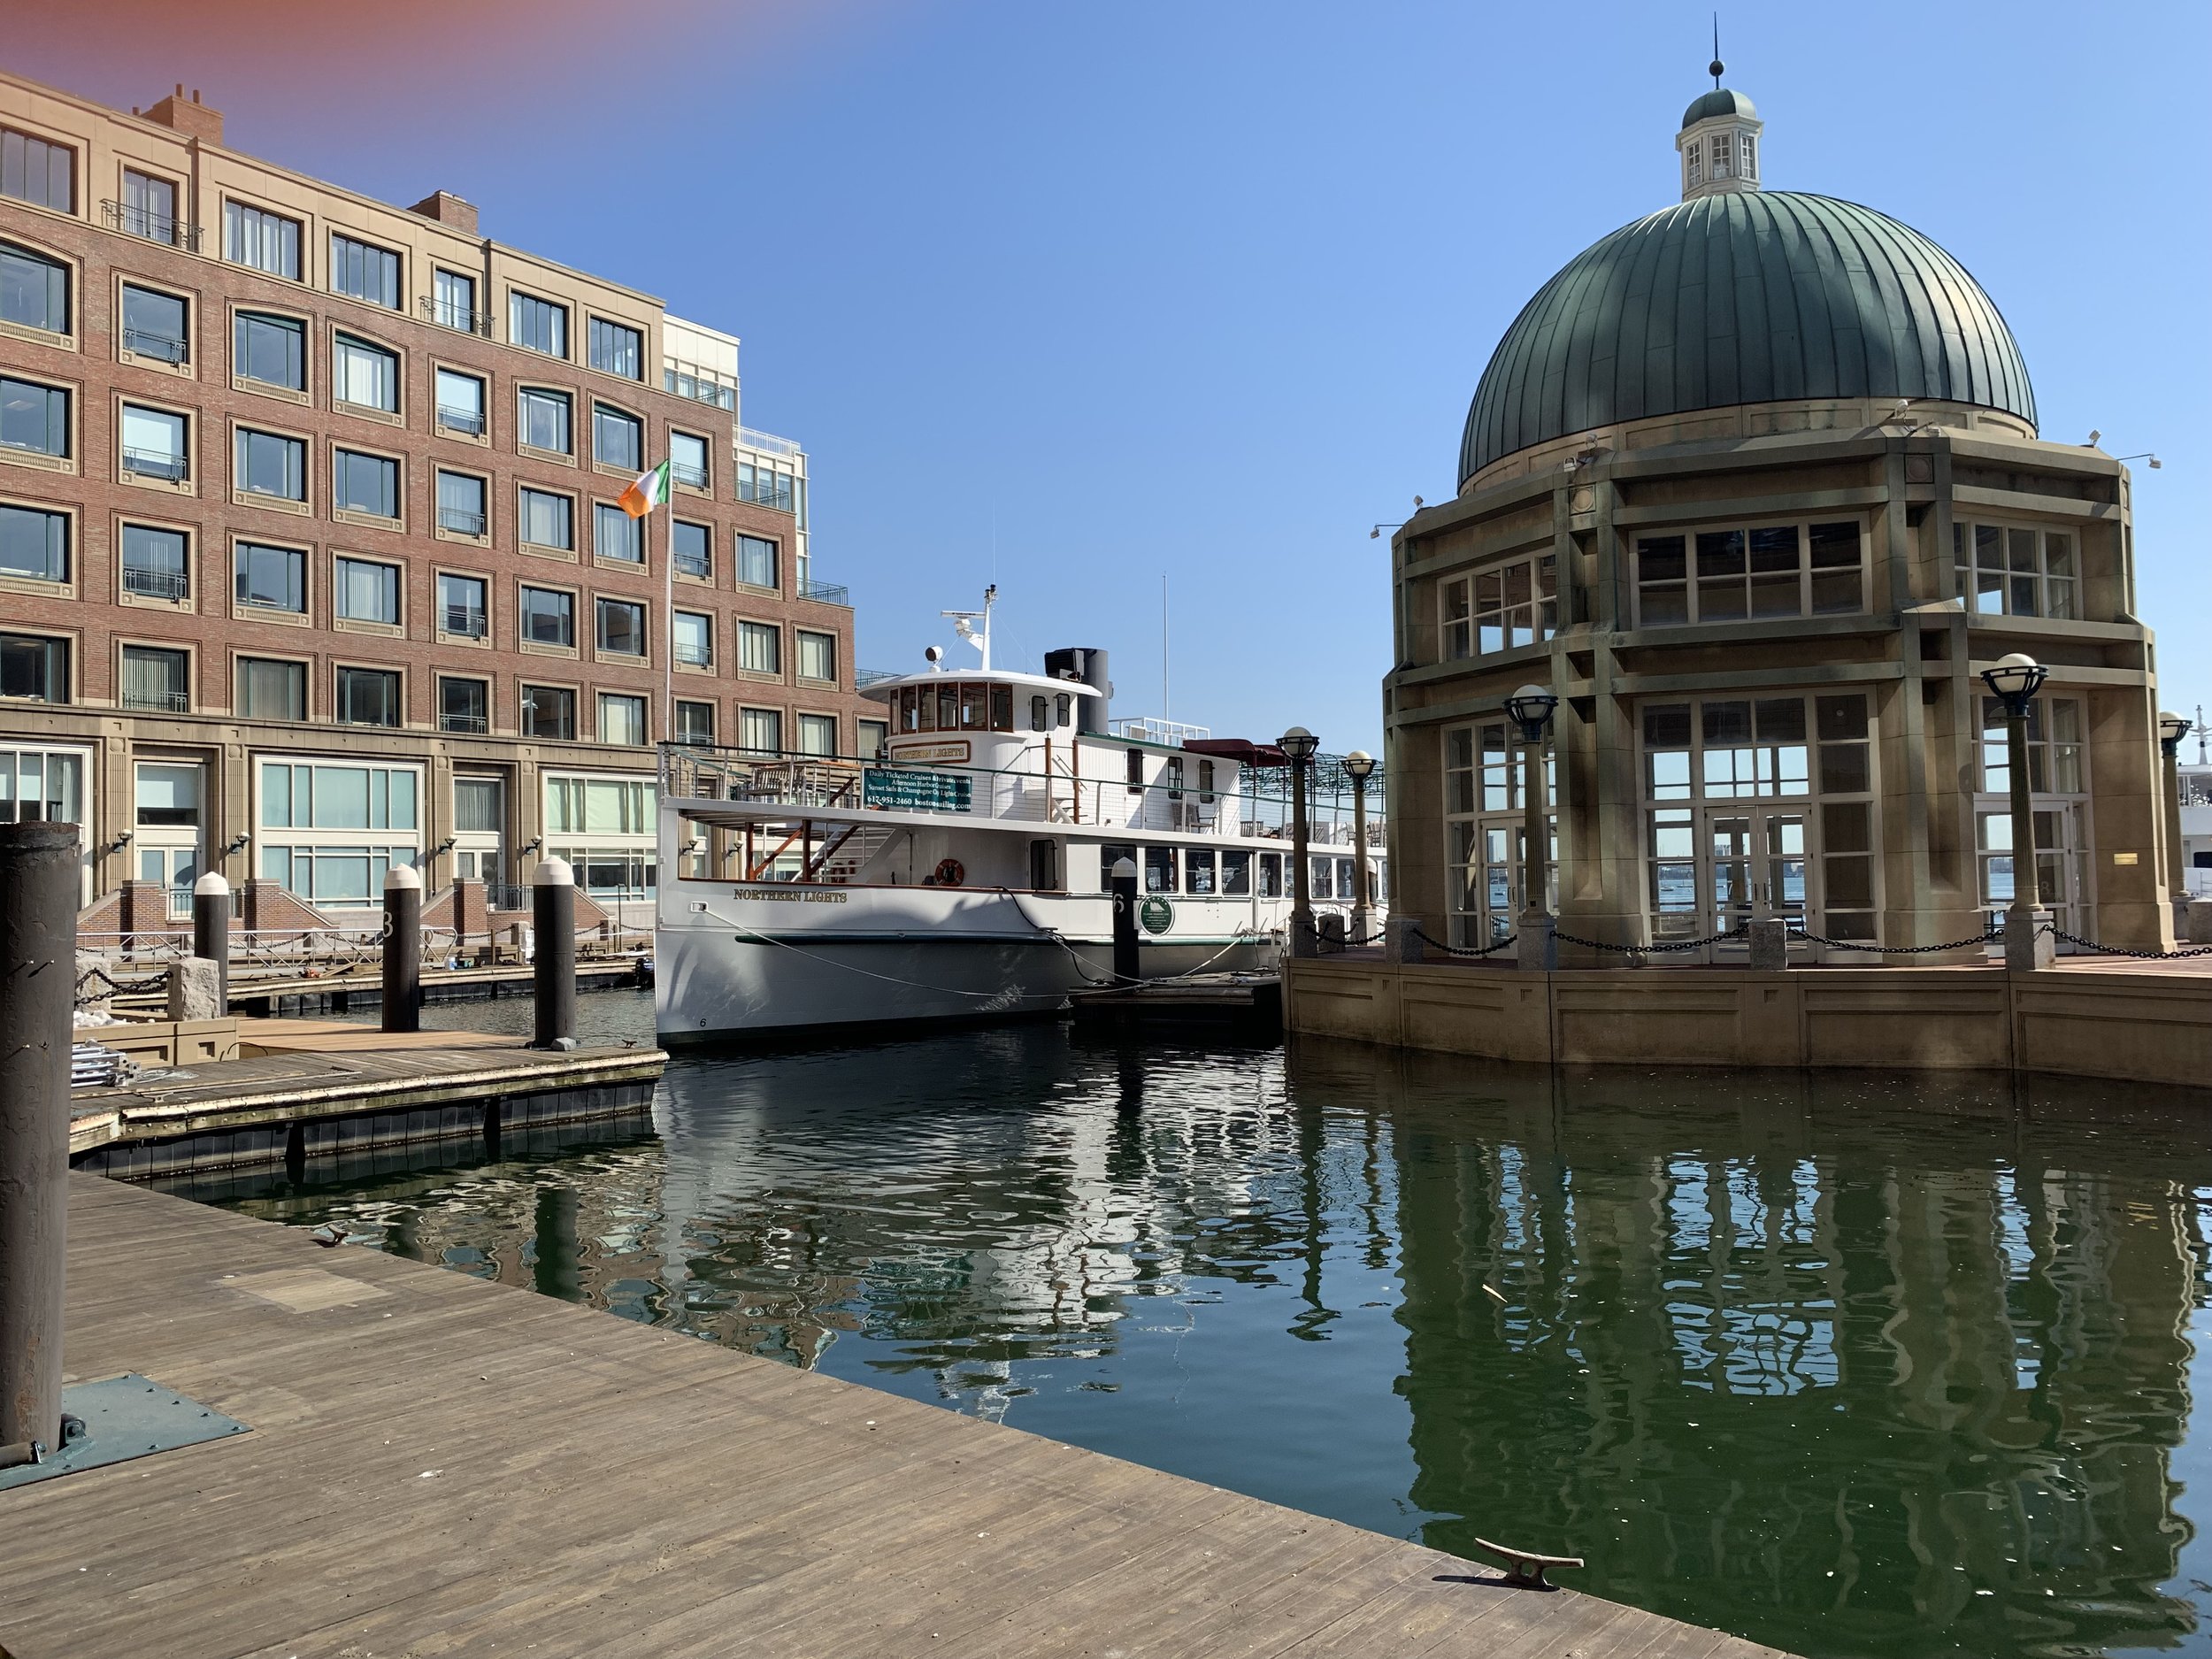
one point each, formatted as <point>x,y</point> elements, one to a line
<point>668,615</point>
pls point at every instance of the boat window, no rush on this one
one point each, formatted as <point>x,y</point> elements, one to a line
<point>1346,886</point>
<point>1271,875</point>
<point>1066,702</point>
<point>1320,886</point>
<point>1001,708</point>
<point>1136,771</point>
<point>1206,781</point>
<point>1109,855</point>
<point>1236,874</point>
<point>1198,870</point>
<point>1175,776</point>
<point>1159,870</point>
<point>1039,709</point>
<point>924,708</point>
<point>947,709</point>
<point>907,717</point>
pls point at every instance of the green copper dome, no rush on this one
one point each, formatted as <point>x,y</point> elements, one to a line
<point>1747,297</point>
<point>1719,101</point>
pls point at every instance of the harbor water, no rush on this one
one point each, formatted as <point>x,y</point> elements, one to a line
<point>1851,1365</point>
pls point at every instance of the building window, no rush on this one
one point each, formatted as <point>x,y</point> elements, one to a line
<point>269,465</point>
<point>463,705</point>
<point>760,647</point>
<point>699,385</point>
<point>549,616</point>
<point>1694,165</point>
<point>363,374</point>
<point>621,719</point>
<point>263,241</point>
<point>368,697</point>
<point>362,271</point>
<point>616,349</point>
<point>616,535</point>
<point>2015,570</point>
<point>34,171</point>
<point>766,486</point>
<point>156,444</point>
<point>1499,609</point>
<point>273,578</point>
<point>616,815</point>
<point>544,420</point>
<point>818,659</point>
<point>461,403</point>
<point>539,325</point>
<point>34,291</point>
<point>156,562</point>
<point>34,668</point>
<point>331,833</point>
<point>695,639</point>
<point>874,736</point>
<point>617,439</point>
<point>1747,574</point>
<point>687,459</point>
<point>33,544</point>
<point>757,562</point>
<point>149,206</point>
<point>548,520</point>
<point>549,711</point>
<point>270,349</point>
<point>760,731</point>
<point>462,601</point>
<point>157,680</point>
<point>156,325</point>
<point>1747,156</point>
<point>2054,748</point>
<point>364,484</point>
<point>693,546</point>
<point>2058,806</point>
<point>1482,826</point>
<point>463,503</point>
<point>621,630</point>
<point>269,690</point>
<point>1718,156</point>
<point>367,591</point>
<point>34,418</point>
<point>694,723</point>
<point>817,735</point>
<point>453,302</point>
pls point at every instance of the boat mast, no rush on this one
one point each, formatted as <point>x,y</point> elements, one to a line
<point>963,624</point>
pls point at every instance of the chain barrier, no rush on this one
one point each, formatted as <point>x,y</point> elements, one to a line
<point>1987,936</point>
<point>1737,932</point>
<point>2076,941</point>
<point>1463,951</point>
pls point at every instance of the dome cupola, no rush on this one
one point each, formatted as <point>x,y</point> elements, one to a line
<point>1719,142</point>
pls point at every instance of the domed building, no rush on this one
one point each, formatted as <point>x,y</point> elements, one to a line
<point>1755,486</point>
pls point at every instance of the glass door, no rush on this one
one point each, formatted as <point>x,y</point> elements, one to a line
<point>1758,867</point>
<point>166,830</point>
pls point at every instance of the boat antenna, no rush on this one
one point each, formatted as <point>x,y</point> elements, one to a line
<point>963,624</point>
<point>2201,730</point>
<point>1165,709</point>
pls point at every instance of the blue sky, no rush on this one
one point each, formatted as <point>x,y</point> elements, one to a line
<point>1074,297</point>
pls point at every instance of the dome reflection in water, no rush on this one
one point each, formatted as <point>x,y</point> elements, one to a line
<point>1850,1365</point>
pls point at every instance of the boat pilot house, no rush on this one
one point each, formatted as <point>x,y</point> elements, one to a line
<point>1752,492</point>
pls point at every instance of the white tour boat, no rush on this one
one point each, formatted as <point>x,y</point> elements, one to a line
<point>962,873</point>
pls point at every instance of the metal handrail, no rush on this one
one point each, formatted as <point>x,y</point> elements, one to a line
<point>696,655</point>
<point>825,592</point>
<point>162,702</point>
<point>684,472</point>
<point>461,522</point>
<point>865,677</point>
<point>465,621</point>
<point>136,221</point>
<point>695,565</point>
<point>447,315</point>
<point>448,721</point>
<point>150,464</point>
<point>151,584</point>
<point>775,500</point>
<point>468,420</point>
<point>767,442</point>
<point>167,348</point>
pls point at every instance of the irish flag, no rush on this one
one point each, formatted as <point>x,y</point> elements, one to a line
<point>649,491</point>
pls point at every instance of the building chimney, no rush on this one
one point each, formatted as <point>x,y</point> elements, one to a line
<point>445,208</point>
<point>193,118</point>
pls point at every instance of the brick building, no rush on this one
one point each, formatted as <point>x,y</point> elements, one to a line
<point>309,558</point>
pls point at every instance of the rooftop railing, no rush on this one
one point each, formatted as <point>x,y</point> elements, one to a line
<point>865,677</point>
<point>827,593</point>
<point>766,442</point>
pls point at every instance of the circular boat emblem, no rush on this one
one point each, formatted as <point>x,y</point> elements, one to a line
<point>1156,914</point>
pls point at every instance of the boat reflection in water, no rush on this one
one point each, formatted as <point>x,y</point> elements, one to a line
<point>1850,1365</point>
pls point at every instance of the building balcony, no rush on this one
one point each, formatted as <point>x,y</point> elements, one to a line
<point>683,473</point>
<point>468,420</point>
<point>157,702</point>
<point>825,592</point>
<point>465,621</point>
<point>153,464</point>
<point>695,565</point>
<point>161,347</point>
<point>162,227</point>
<point>471,725</point>
<point>461,521</point>
<point>766,442</point>
<point>695,655</point>
<point>155,584</point>
<point>451,316</point>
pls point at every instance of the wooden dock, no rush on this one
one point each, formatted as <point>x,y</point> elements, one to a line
<point>440,1466</point>
<point>305,1088</point>
<point>1245,1005</point>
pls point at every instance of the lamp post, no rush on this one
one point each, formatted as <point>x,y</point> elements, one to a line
<point>1298,746</point>
<point>1530,709</point>
<point>1359,765</point>
<point>2171,729</point>
<point>2014,682</point>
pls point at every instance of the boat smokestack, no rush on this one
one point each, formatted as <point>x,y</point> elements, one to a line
<point>1087,664</point>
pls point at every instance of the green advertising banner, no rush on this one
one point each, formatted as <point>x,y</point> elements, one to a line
<point>917,791</point>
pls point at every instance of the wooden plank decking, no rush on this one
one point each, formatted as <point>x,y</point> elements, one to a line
<point>439,1465</point>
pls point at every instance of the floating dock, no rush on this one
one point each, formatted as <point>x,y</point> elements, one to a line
<point>434,1463</point>
<point>1242,1005</point>
<point>303,1090</point>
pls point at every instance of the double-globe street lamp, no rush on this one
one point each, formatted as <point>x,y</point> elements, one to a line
<point>1359,765</point>
<point>2014,682</point>
<point>2171,729</point>
<point>1530,709</point>
<point>1298,746</point>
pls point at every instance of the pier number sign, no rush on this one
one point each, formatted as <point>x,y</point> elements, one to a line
<point>916,791</point>
<point>1156,914</point>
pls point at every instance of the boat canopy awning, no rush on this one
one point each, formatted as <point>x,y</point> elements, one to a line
<point>1241,749</point>
<point>739,815</point>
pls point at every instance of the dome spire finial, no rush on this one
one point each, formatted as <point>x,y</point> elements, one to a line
<point>1715,68</point>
